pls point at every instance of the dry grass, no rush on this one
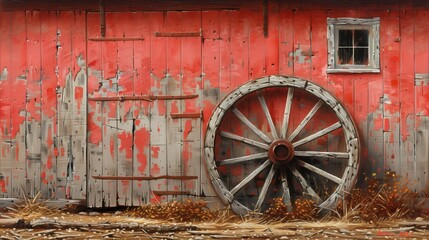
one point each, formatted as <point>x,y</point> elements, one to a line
<point>186,211</point>
<point>33,208</point>
<point>303,209</point>
<point>386,200</point>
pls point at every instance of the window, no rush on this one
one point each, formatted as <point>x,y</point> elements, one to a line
<point>353,45</point>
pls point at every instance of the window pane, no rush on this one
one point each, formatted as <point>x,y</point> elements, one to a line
<point>345,38</point>
<point>361,38</point>
<point>345,55</point>
<point>361,56</point>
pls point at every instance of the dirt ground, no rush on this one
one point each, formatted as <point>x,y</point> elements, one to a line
<point>118,225</point>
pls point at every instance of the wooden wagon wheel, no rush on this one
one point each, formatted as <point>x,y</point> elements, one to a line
<point>281,158</point>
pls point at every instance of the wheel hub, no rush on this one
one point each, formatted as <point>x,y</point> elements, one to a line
<point>281,151</point>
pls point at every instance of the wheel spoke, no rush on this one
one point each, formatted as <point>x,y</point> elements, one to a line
<point>320,133</point>
<point>304,122</point>
<point>268,115</point>
<point>305,185</point>
<point>244,158</point>
<point>322,154</point>
<point>287,112</point>
<point>250,125</point>
<point>264,190</point>
<point>286,192</point>
<point>319,171</point>
<point>250,177</point>
<point>245,140</point>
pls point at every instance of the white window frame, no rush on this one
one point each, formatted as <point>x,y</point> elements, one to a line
<point>373,27</point>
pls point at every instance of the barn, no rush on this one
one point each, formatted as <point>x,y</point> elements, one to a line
<point>121,103</point>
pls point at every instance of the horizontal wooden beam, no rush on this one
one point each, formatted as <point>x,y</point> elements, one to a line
<point>144,177</point>
<point>121,98</point>
<point>160,193</point>
<point>186,115</point>
<point>148,98</point>
<point>173,97</point>
<point>179,34</point>
<point>116,39</point>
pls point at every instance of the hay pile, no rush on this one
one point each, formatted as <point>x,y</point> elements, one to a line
<point>385,200</point>
<point>186,211</point>
<point>390,199</point>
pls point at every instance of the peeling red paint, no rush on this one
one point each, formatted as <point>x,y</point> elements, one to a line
<point>155,151</point>
<point>112,146</point>
<point>93,129</point>
<point>78,96</point>
<point>155,170</point>
<point>3,185</point>
<point>19,94</point>
<point>49,162</point>
<point>49,102</point>
<point>378,123</point>
<point>155,198</point>
<point>188,129</point>
<point>17,149</point>
<point>126,144</point>
<point>142,141</point>
<point>174,108</point>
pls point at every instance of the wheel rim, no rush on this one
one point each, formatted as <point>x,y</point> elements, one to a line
<point>276,155</point>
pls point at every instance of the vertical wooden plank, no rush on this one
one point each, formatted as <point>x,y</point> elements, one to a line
<point>14,78</point>
<point>319,48</point>
<point>421,56</point>
<point>173,83</point>
<point>79,109</point>
<point>256,42</point>
<point>272,43</point>
<point>125,27</point>
<point>5,105</point>
<point>286,40</point>
<point>240,72</point>
<point>211,64</point>
<point>95,155</point>
<point>49,80</point>
<point>389,34</point>
<point>33,107</point>
<point>225,54</point>
<point>302,44</point>
<point>64,100</point>
<point>18,100</point>
<point>111,85</point>
<point>375,114</point>
<point>141,150</point>
<point>158,138</point>
<point>318,53</point>
<point>191,71</point>
<point>239,38</point>
<point>406,91</point>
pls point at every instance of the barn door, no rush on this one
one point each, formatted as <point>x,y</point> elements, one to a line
<point>144,121</point>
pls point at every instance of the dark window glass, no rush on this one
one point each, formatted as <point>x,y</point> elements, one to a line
<point>353,47</point>
<point>361,56</point>
<point>345,38</point>
<point>361,38</point>
<point>345,55</point>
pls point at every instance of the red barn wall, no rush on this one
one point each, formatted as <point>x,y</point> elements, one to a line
<point>57,130</point>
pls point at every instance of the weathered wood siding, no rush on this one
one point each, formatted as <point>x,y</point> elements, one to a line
<point>55,135</point>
